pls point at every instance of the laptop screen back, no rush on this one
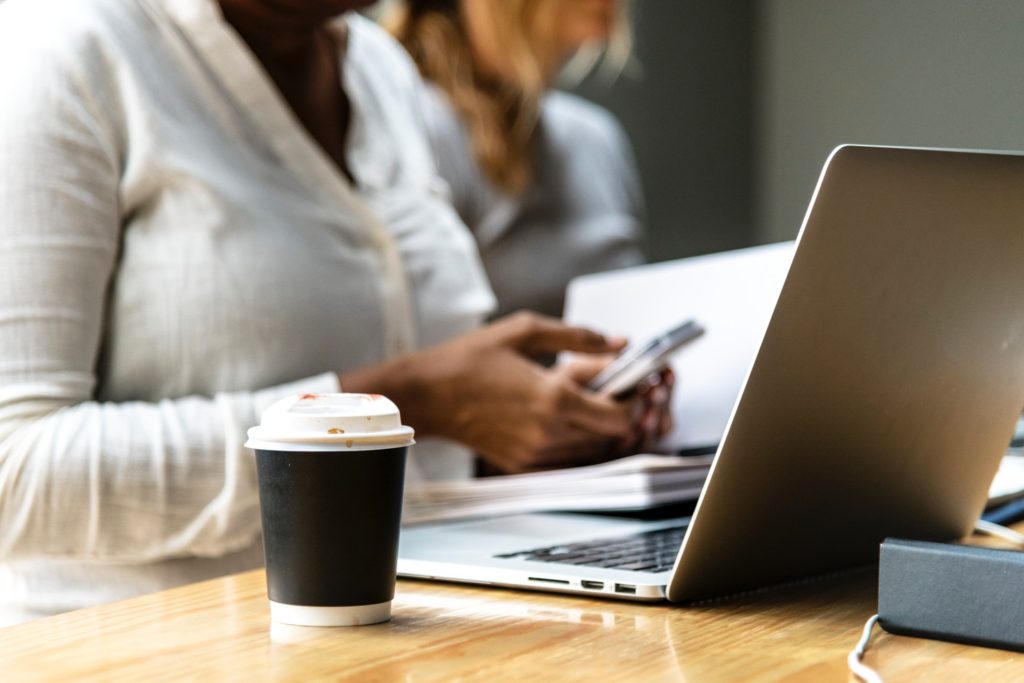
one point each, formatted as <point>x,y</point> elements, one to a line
<point>889,379</point>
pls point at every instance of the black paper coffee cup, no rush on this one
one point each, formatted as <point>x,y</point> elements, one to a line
<point>331,470</point>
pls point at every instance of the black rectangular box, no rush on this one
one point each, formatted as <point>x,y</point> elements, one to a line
<point>952,592</point>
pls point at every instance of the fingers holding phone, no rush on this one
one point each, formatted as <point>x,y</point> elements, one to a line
<point>637,362</point>
<point>654,420</point>
<point>641,373</point>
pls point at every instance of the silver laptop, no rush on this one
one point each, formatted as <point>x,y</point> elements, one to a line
<point>882,397</point>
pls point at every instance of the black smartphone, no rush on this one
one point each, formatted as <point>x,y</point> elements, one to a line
<point>637,362</point>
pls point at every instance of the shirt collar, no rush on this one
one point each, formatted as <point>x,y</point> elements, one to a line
<point>193,14</point>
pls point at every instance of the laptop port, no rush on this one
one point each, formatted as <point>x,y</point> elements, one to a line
<point>625,588</point>
<point>593,585</point>
<point>539,579</point>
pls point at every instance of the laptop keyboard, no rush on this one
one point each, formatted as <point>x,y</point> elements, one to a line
<point>650,551</point>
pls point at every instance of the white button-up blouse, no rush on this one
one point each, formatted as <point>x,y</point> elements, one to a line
<point>176,252</point>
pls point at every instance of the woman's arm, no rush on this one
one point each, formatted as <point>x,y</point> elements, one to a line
<point>128,482</point>
<point>487,391</point>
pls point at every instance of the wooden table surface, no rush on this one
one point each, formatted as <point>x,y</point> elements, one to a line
<point>221,630</point>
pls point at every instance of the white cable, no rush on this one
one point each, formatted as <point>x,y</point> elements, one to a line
<point>999,531</point>
<point>856,656</point>
<point>858,667</point>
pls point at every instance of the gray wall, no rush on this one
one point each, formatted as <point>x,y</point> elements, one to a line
<point>689,118</point>
<point>910,72</point>
<point>741,101</point>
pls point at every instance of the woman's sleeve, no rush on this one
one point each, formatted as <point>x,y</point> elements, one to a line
<point>114,482</point>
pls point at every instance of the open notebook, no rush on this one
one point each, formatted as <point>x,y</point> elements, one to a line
<point>634,483</point>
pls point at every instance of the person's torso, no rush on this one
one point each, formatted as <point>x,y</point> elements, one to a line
<point>247,259</point>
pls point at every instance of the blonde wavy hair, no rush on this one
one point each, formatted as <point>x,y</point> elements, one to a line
<point>500,115</point>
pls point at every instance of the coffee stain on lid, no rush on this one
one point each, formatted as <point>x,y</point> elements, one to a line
<point>349,443</point>
<point>309,397</point>
<point>335,430</point>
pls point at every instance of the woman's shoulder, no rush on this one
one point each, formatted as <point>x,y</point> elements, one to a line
<point>53,21</point>
<point>372,46</point>
<point>58,36</point>
<point>586,132</point>
<point>566,114</point>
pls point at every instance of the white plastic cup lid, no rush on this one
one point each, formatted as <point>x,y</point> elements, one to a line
<point>330,422</point>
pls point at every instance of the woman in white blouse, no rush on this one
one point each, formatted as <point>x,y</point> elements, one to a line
<point>205,206</point>
<point>545,180</point>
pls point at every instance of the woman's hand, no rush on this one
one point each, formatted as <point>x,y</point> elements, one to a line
<point>654,421</point>
<point>487,391</point>
<point>650,403</point>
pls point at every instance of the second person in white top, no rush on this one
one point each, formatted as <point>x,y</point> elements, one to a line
<point>545,180</point>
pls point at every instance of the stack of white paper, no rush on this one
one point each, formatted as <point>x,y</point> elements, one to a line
<point>633,483</point>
